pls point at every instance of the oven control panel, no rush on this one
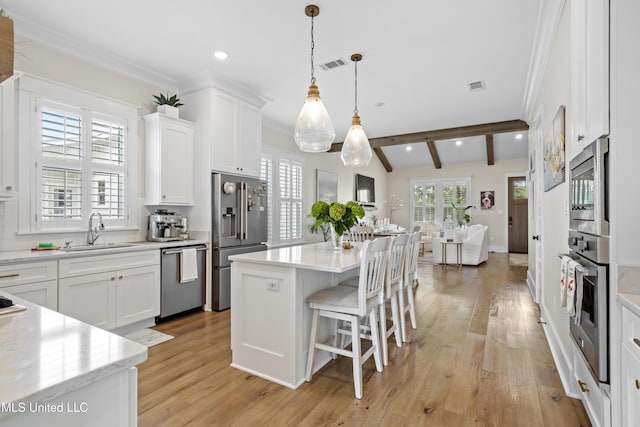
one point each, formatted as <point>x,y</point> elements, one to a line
<point>594,248</point>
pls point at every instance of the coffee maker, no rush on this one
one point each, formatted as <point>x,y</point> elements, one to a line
<point>164,226</point>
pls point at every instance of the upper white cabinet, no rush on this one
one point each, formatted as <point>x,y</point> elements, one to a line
<point>590,71</point>
<point>168,160</point>
<point>232,128</point>
<point>7,140</point>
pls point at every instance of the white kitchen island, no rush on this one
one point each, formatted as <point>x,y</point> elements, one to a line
<point>270,317</point>
<point>58,371</point>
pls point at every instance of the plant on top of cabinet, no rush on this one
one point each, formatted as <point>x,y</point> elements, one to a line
<point>168,104</point>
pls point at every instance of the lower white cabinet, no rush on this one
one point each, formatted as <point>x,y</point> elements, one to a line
<point>111,299</point>
<point>594,399</point>
<point>36,282</point>
<point>630,388</point>
<point>44,293</point>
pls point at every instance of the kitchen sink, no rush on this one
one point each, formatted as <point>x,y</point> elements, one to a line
<point>97,247</point>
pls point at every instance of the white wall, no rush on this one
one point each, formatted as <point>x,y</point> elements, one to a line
<point>330,162</point>
<point>483,178</point>
<point>554,92</point>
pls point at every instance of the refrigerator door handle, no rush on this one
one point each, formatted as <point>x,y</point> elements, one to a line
<point>243,211</point>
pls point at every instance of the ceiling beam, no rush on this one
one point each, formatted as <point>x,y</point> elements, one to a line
<point>441,134</point>
<point>490,160</point>
<point>431,145</point>
<point>383,159</point>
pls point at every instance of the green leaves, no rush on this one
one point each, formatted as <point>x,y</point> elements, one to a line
<point>341,216</point>
<point>166,100</point>
<point>462,212</point>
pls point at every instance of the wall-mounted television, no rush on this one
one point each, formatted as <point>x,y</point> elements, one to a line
<point>365,189</point>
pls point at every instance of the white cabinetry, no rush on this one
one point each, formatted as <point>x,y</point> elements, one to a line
<point>594,399</point>
<point>108,297</point>
<point>231,127</point>
<point>630,372</point>
<point>590,71</point>
<point>36,282</point>
<point>168,160</point>
<point>7,140</point>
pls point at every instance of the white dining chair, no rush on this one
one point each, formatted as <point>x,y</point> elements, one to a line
<point>353,304</point>
<point>409,282</point>
<point>393,285</point>
<point>359,233</point>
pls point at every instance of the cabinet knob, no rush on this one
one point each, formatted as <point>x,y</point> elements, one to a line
<point>636,341</point>
<point>580,137</point>
<point>164,196</point>
<point>119,277</point>
<point>583,386</point>
<point>638,384</point>
<point>9,188</point>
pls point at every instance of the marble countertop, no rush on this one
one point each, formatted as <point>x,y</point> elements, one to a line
<point>629,287</point>
<point>9,257</point>
<point>45,354</point>
<point>315,256</point>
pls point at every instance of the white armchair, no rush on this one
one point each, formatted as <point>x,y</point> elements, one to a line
<point>428,230</point>
<point>475,246</point>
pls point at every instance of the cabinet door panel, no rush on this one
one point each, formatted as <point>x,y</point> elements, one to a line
<point>137,294</point>
<point>224,135</point>
<point>176,171</point>
<point>44,294</point>
<point>249,142</point>
<point>90,298</point>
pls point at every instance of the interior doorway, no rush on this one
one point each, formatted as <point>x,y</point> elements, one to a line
<point>518,214</point>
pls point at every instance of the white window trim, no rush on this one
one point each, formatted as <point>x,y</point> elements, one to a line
<point>439,200</point>
<point>30,91</point>
<point>274,154</point>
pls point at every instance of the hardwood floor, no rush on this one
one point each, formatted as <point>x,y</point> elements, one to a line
<point>478,358</point>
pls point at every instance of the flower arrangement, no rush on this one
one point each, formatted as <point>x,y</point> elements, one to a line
<point>341,217</point>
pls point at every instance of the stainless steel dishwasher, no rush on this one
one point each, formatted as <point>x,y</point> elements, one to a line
<point>176,297</point>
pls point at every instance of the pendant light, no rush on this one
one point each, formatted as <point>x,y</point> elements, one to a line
<point>314,131</point>
<point>356,150</point>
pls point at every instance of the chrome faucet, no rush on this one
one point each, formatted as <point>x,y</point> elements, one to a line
<point>92,233</point>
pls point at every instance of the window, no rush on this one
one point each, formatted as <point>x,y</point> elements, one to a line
<point>432,198</point>
<point>283,173</point>
<point>82,146</point>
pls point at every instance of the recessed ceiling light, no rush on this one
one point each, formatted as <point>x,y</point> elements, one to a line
<point>458,143</point>
<point>221,55</point>
<point>409,148</point>
<point>518,136</point>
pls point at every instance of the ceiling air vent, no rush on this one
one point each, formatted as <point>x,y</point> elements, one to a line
<point>333,64</point>
<point>476,86</point>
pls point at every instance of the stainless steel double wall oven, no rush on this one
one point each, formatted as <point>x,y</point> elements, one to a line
<point>589,246</point>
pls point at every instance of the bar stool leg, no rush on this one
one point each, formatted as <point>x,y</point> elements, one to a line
<point>357,356</point>
<point>312,344</point>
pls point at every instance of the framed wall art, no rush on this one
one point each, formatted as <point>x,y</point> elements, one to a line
<point>487,199</point>
<point>554,152</point>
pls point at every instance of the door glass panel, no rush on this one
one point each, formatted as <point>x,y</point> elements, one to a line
<point>520,189</point>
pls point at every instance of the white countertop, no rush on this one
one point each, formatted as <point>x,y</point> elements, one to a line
<point>45,354</point>
<point>629,287</point>
<point>315,256</point>
<point>9,257</point>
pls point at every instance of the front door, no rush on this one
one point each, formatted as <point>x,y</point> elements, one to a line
<point>518,214</point>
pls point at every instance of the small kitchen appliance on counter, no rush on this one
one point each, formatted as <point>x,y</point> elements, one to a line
<point>164,226</point>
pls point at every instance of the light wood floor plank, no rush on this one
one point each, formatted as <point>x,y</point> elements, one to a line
<point>479,357</point>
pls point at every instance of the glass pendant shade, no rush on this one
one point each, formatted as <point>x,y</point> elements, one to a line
<point>314,130</point>
<point>356,150</point>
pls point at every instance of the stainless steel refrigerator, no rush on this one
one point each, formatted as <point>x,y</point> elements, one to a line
<point>239,226</point>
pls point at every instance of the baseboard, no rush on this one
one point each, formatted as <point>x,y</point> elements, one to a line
<point>564,362</point>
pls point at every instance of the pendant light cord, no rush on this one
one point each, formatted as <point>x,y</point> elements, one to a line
<point>313,77</point>
<point>355,109</point>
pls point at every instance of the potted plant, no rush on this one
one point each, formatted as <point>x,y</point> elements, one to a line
<point>461,214</point>
<point>168,105</point>
<point>340,217</point>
